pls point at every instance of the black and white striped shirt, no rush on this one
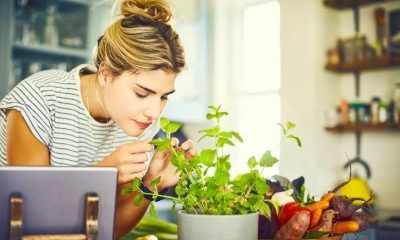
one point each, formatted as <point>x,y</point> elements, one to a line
<point>51,104</point>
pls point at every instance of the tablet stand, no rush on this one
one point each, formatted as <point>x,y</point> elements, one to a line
<point>91,222</point>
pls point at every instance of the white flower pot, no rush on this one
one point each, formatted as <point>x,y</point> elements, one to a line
<point>217,227</point>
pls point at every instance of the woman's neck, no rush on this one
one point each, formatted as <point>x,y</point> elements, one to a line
<point>92,99</point>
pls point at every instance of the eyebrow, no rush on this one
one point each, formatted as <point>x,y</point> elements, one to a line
<point>154,92</point>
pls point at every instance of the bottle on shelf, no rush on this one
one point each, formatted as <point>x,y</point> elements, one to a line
<point>28,30</point>
<point>375,106</point>
<point>344,112</point>
<point>390,112</point>
<point>50,31</point>
<point>397,103</point>
<point>380,24</point>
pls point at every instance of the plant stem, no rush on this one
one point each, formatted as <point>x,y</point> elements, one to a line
<point>161,195</point>
<point>198,204</point>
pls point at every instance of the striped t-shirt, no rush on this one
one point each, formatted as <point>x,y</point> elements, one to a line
<point>51,104</point>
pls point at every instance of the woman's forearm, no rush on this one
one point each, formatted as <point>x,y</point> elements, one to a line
<point>127,215</point>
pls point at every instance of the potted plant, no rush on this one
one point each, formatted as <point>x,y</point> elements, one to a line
<point>215,204</point>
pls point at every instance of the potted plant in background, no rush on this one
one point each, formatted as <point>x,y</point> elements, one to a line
<point>215,205</point>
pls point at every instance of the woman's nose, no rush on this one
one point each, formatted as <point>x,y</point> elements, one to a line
<point>153,110</point>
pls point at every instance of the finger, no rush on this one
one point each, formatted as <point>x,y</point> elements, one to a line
<point>137,147</point>
<point>187,145</point>
<point>174,141</point>
<point>129,177</point>
<point>135,158</point>
<point>190,154</point>
<point>132,168</point>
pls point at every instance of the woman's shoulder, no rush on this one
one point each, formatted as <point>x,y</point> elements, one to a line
<point>54,81</point>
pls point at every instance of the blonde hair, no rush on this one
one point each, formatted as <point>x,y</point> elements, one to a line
<point>141,40</point>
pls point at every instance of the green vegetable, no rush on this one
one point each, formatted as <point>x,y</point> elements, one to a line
<point>206,185</point>
<point>162,229</point>
<point>314,235</point>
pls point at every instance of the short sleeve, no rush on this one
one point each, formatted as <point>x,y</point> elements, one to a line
<point>27,98</point>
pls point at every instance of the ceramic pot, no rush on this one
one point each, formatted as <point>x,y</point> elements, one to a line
<point>217,227</point>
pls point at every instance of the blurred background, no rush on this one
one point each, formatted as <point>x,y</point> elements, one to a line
<point>330,66</point>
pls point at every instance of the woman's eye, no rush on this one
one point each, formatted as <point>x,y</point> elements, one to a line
<point>140,95</point>
<point>164,97</point>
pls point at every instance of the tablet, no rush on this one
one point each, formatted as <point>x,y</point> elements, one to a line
<point>54,198</point>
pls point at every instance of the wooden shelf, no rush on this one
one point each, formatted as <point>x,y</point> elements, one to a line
<point>367,64</point>
<point>61,51</point>
<point>363,127</point>
<point>347,4</point>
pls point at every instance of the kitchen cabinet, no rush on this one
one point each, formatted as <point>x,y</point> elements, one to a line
<point>60,34</point>
<point>378,62</point>
<point>43,34</point>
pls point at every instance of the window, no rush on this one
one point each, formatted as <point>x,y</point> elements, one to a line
<point>259,82</point>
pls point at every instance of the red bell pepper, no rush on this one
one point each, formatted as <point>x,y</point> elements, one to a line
<point>288,210</point>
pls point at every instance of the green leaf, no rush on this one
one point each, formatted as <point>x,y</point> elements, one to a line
<point>211,132</point>
<point>155,181</point>
<point>222,141</point>
<point>195,161</point>
<point>314,234</point>
<point>157,141</point>
<point>179,190</point>
<point>237,136</point>
<point>126,191</point>
<point>295,138</point>
<point>173,127</point>
<point>207,157</point>
<point>164,145</point>
<point>252,162</point>
<point>283,128</point>
<point>267,160</point>
<point>302,193</point>
<point>290,125</point>
<point>221,114</point>
<point>135,184</point>
<point>265,210</point>
<point>179,161</point>
<point>153,212</point>
<point>138,199</point>
<point>225,134</point>
<point>164,123</point>
<point>210,116</point>
<point>221,176</point>
<point>261,186</point>
<point>215,109</point>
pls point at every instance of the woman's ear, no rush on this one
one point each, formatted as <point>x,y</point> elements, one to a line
<point>103,75</point>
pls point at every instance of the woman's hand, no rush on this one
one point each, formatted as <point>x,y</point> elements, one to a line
<point>130,160</point>
<point>161,166</point>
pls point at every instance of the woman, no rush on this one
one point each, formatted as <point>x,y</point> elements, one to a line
<point>104,115</point>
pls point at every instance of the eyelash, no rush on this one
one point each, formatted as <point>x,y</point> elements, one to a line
<point>143,96</point>
<point>140,95</point>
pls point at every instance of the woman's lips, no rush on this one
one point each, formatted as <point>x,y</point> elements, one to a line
<point>142,125</point>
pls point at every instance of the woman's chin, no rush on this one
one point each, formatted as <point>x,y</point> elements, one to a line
<point>134,132</point>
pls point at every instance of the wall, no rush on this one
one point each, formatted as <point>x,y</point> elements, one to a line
<point>379,149</point>
<point>308,30</point>
<point>311,89</point>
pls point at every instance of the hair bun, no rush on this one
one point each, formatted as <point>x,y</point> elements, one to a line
<point>158,10</point>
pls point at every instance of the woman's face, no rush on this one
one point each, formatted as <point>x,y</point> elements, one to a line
<point>134,101</point>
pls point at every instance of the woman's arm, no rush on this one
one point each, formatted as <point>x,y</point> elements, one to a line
<point>127,215</point>
<point>23,148</point>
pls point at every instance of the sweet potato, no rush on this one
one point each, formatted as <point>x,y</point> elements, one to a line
<point>295,227</point>
<point>345,227</point>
